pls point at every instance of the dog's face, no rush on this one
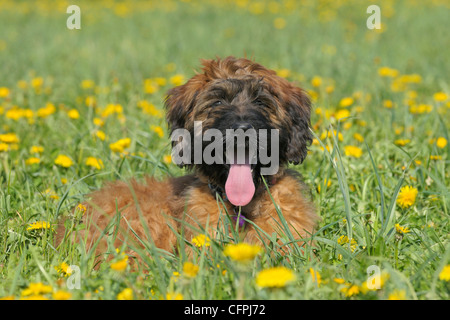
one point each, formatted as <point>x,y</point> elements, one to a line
<point>240,94</point>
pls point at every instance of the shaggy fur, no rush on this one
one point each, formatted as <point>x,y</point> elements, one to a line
<point>226,91</point>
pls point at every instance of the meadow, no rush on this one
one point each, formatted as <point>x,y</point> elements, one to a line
<point>82,107</point>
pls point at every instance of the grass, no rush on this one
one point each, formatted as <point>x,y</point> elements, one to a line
<point>131,52</point>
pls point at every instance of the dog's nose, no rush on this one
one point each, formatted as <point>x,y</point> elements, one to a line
<point>241,125</point>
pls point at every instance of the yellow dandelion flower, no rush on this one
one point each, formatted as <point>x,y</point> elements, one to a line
<point>167,159</point>
<point>339,280</point>
<point>4,92</point>
<point>46,111</point>
<point>64,269</point>
<point>201,241</point>
<point>445,273</point>
<point>440,96</point>
<point>87,84</point>
<point>358,137</point>
<point>441,142</point>
<point>402,142</point>
<point>242,252</point>
<point>401,230</point>
<point>125,294</point>
<point>279,23</point>
<point>190,270</point>
<point>81,207</point>
<point>407,196</point>
<point>94,163</point>
<point>36,83</point>
<point>73,114</point>
<point>9,138</point>
<point>387,72</point>
<point>343,240</point>
<point>397,295</point>
<point>35,289</point>
<point>316,81</point>
<point>342,114</point>
<point>388,104</point>
<point>120,265</point>
<point>315,276</point>
<point>276,277</point>
<point>353,151</point>
<point>346,102</point>
<point>350,290</point>
<point>3,147</point>
<point>39,225</point>
<point>174,296</point>
<point>90,101</point>
<point>36,149</point>
<point>284,73</point>
<point>177,80</point>
<point>100,134</point>
<point>32,160</point>
<point>120,145</point>
<point>63,161</point>
<point>158,130</point>
<point>61,295</point>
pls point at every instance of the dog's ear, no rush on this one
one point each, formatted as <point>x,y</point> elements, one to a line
<point>298,108</point>
<point>179,104</point>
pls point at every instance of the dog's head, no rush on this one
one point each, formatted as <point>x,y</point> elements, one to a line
<point>237,94</point>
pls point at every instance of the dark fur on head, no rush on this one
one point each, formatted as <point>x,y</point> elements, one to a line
<point>231,91</point>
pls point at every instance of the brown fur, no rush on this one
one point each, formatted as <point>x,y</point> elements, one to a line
<point>176,203</point>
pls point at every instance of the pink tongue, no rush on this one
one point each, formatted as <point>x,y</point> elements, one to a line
<point>239,186</point>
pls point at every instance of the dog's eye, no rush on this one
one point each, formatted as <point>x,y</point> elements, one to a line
<point>216,104</point>
<point>258,102</point>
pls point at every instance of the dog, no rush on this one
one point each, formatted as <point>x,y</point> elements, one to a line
<point>228,93</point>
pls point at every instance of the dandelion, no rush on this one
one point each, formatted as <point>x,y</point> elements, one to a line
<point>158,130</point>
<point>339,280</point>
<point>63,161</point>
<point>120,265</point>
<point>435,157</point>
<point>358,137</point>
<point>3,147</point>
<point>120,145</point>
<point>387,72</point>
<point>388,104</point>
<point>342,114</point>
<point>51,194</point>
<point>94,163</point>
<point>284,73</point>
<point>167,159</point>
<point>315,276</point>
<point>32,160</point>
<point>177,80</point>
<point>397,295</point>
<point>441,142</point>
<point>276,277</point>
<point>420,109</point>
<point>82,208</point>
<point>190,270</point>
<point>316,81</point>
<point>35,289</point>
<point>4,92</point>
<point>350,290</point>
<point>36,149</point>
<point>440,96</point>
<point>201,241</point>
<point>407,196</point>
<point>87,84</point>
<point>125,294</point>
<point>402,142</point>
<point>445,273</point>
<point>46,111</point>
<point>64,269</point>
<point>401,230</point>
<point>346,102</point>
<point>9,138</point>
<point>242,252</point>
<point>353,151</point>
<point>90,101</point>
<point>279,23</point>
<point>73,114</point>
<point>343,240</point>
<point>174,296</point>
<point>61,295</point>
<point>39,225</point>
<point>100,134</point>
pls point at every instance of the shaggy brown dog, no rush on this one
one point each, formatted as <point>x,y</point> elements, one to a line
<point>229,93</point>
